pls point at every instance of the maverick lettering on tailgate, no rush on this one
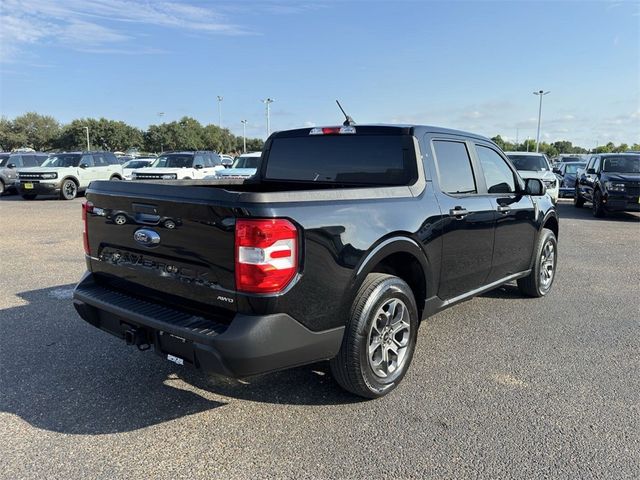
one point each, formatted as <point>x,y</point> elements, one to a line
<point>162,268</point>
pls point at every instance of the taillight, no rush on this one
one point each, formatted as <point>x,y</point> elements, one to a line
<point>266,255</point>
<point>87,207</point>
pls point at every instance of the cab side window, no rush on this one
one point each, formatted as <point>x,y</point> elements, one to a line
<point>99,160</point>
<point>29,160</point>
<point>596,164</point>
<point>497,174</point>
<point>198,160</point>
<point>16,160</point>
<point>87,160</point>
<point>454,167</point>
<point>207,161</point>
<point>215,159</point>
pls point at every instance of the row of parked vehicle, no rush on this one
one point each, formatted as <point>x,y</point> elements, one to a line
<point>70,173</point>
<point>610,182</point>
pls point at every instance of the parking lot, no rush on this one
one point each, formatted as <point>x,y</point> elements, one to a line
<point>500,386</point>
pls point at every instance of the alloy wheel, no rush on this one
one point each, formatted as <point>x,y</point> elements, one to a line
<point>547,265</point>
<point>388,338</point>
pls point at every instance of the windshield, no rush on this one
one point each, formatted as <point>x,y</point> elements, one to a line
<point>62,161</point>
<point>351,159</point>
<point>573,168</point>
<point>136,164</point>
<point>173,161</point>
<point>626,164</point>
<point>536,163</point>
<point>246,162</point>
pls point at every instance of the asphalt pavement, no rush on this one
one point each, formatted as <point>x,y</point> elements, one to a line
<point>500,386</point>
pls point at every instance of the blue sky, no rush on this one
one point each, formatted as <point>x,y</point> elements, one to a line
<point>465,65</point>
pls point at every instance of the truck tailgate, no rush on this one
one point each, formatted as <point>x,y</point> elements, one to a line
<point>165,240</point>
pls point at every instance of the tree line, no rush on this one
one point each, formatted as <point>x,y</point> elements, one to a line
<point>562,146</point>
<point>45,133</point>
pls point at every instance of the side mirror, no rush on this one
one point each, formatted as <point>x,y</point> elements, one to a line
<point>83,165</point>
<point>535,187</point>
<point>591,171</point>
<point>11,165</point>
<point>198,167</point>
<point>226,163</point>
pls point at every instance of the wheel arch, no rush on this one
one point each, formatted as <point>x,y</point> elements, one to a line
<point>551,222</point>
<point>115,175</point>
<point>70,177</point>
<point>403,257</point>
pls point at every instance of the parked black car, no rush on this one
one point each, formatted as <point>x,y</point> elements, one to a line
<point>567,173</point>
<point>344,240</point>
<point>10,162</point>
<point>611,182</point>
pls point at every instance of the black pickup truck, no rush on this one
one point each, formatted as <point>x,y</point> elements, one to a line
<point>346,238</point>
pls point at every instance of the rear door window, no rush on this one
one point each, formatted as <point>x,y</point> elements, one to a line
<point>99,160</point>
<point>454,167</point>
<point>350,159</point>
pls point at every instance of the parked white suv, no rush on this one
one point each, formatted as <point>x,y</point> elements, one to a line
<point>180,166</point>
<point>67,174</point>
<point>536,165</point>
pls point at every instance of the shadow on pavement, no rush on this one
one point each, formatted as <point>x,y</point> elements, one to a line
<point>567,210</point>
<point>59,373</point>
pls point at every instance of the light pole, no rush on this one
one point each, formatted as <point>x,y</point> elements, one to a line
<point>268,102</point>
<point>161,114</point>
<point>220,98</point>
<point>541,94</point>
<point>88,144</point>
<point>244,135</point>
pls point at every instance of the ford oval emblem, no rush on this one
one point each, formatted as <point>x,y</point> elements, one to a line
<point>146,237</point>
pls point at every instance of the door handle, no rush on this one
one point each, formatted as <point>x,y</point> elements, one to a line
<point>458,212</point>
<point>504,208</point>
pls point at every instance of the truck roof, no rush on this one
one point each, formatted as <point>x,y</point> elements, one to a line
<point>382,128</point>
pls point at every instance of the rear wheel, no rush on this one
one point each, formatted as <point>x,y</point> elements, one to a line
<point>29,196</point>
<point>379,339</point>
<point>1,187</point>
<point>538,282</point>
<point>598,206</point>
<point>578,201</point>
<point>69,190</point>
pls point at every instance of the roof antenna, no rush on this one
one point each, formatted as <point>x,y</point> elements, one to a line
<point>348,120</point>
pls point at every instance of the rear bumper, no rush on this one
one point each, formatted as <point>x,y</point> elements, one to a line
<point>567,192</point>
<point>249,345</point>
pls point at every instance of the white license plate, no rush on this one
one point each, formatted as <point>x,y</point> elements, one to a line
<point>175,359</point>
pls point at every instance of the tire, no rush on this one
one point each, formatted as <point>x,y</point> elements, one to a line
<point>578,201</point>
<point>598,206</point>
<point>381,299</point>
<point>2,189</point>
<point>538,283</point>
<point>69,190</point>
<point>29,196</point>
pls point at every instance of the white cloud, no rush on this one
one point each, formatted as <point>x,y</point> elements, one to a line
<point>100,25</point>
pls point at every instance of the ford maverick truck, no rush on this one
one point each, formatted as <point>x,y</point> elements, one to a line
<point>342,243</point>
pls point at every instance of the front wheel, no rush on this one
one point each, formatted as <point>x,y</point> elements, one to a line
<point>69,190</point>
<point>598,205</point>
<point>380,337</point>
<point>578,201</point>
<point>538,282</point>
